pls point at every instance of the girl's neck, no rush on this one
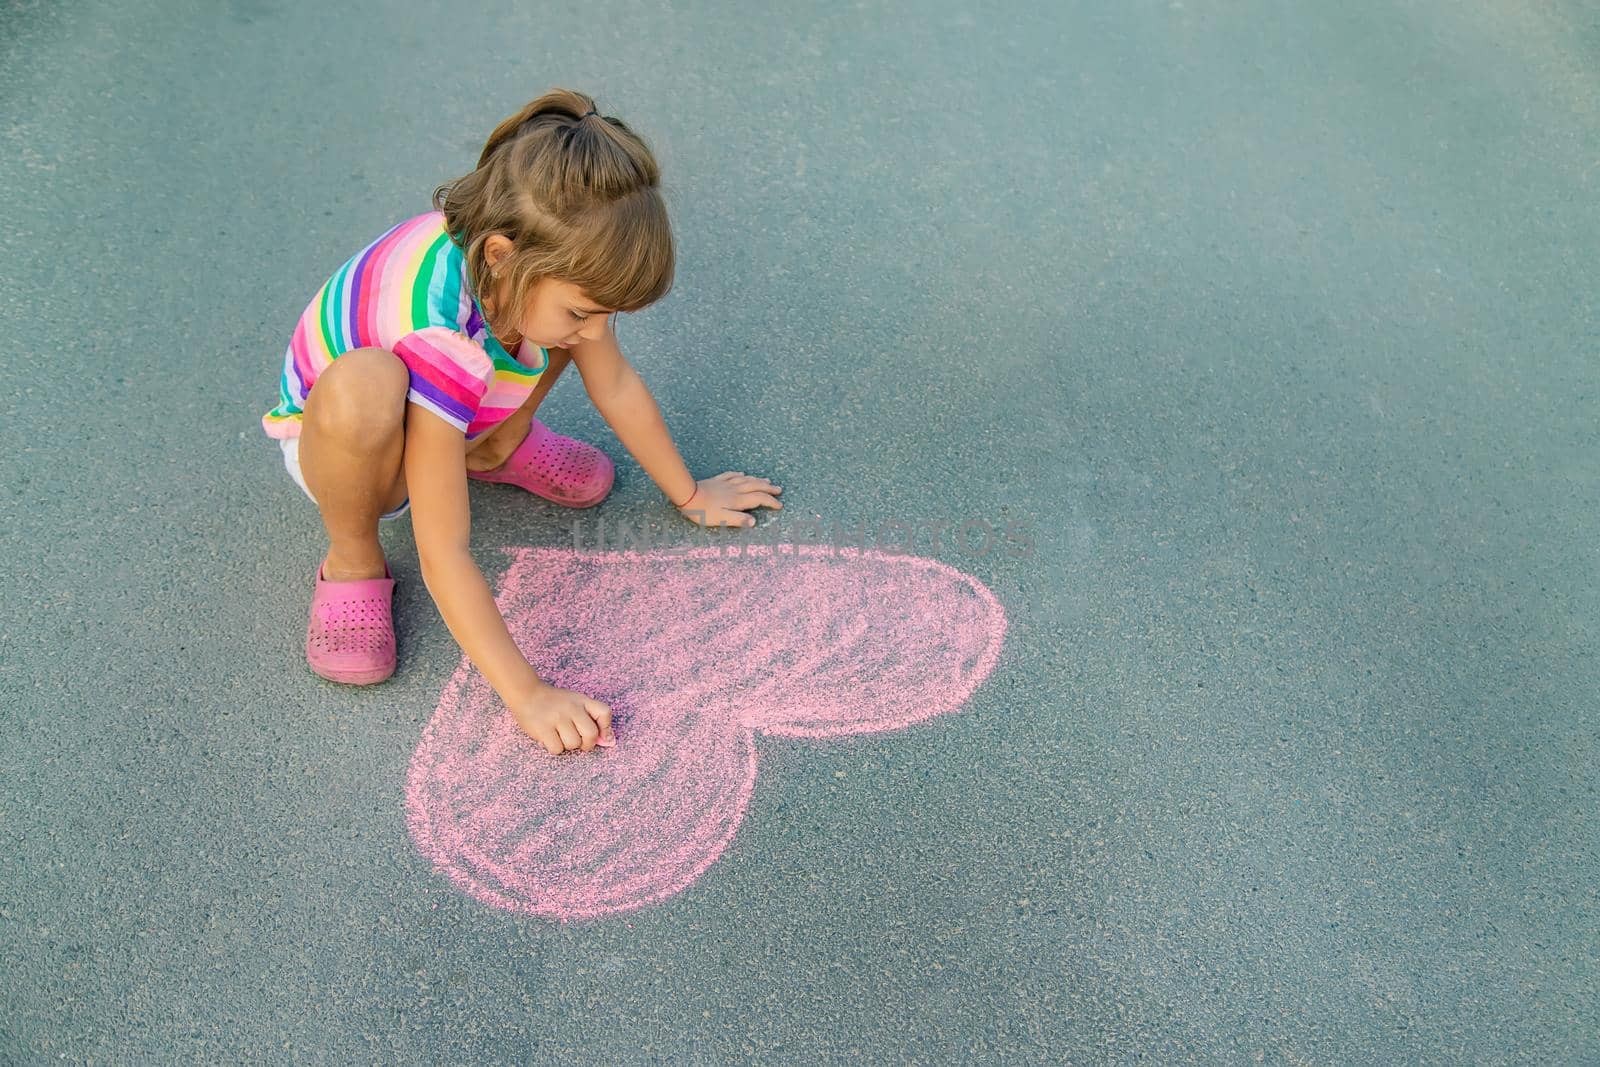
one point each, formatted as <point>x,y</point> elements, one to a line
<point>488,312</point>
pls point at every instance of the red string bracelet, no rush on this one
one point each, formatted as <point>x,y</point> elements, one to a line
<point>686,503</point>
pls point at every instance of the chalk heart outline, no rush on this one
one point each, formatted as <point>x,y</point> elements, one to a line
<point>695,651</point>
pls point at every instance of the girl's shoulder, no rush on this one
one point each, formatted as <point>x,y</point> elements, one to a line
<point>423,250</point>
<point>408,237</point>
<point>410,278</point>
<point>419,233</point>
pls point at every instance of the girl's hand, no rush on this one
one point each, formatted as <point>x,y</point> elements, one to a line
<point>723,500</point>
<point>562,720</point>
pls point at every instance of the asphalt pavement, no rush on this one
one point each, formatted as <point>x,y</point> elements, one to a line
<point>1268,330</point>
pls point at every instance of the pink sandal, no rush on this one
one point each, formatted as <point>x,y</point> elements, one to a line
<point>350,637</point>
<point>557,468</point>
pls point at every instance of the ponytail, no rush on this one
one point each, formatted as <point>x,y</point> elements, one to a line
<point>578,195</point>
<point>559,103</point>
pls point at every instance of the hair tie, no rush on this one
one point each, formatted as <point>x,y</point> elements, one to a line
<point>586,114</point>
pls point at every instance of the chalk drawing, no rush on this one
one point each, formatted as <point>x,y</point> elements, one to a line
<point>694,653</point>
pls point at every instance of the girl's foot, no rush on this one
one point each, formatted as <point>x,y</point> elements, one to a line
<point>350,635</point>
<point>555,467</point>
<point>354,568</point>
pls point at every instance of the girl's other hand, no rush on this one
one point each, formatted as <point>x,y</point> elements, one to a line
<point>562,720</point>
<point>723,500</point>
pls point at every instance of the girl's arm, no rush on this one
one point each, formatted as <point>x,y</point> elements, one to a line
<point>628,407</point>
<point>436,478</point>
<point>623,400</point>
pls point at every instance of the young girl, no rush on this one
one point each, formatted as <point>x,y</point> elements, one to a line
<point>421,362</point>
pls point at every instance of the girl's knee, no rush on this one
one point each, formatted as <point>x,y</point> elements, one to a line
<point>362,392</point>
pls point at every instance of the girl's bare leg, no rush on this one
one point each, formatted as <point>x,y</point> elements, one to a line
<point>495,447</point>
<point>352,448</point>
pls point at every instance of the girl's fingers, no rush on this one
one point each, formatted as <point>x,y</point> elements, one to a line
<point>753,499</point>
<point>569,736</point>
<point>550,739</point>
<point>760,484</point>
<point>587,730</point>
<point>602,718</point>
<point>720,515</point>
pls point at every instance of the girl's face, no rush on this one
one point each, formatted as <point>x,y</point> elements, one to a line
<point>560,315</point>
<point>557,314</point>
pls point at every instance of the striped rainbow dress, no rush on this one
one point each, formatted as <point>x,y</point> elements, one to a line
<point>407,292</point>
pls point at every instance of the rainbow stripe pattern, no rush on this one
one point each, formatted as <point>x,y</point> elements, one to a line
<point>408,292</point>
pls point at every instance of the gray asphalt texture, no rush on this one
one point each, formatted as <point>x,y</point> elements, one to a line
<point>1276,322</point>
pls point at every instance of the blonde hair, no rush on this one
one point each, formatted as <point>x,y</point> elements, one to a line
<point>577,195</point>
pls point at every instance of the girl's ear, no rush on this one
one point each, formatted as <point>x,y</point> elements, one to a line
<point>496,248</point>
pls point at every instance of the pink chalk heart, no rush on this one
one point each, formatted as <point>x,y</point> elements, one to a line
<point>694,651</point>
